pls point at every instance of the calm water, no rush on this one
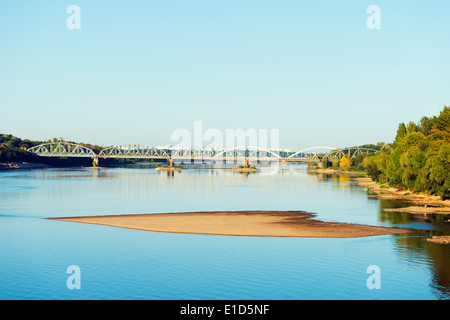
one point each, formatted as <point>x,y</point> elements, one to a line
<point>119,263</point>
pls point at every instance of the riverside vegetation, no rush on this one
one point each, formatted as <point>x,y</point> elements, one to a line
<point>418,160</point>
<point>14,149</point>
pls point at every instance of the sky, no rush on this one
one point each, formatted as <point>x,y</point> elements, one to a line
<point>136,71</point>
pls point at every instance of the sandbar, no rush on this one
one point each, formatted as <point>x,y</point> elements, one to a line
<point>245,169</point>
<point>238,223</point>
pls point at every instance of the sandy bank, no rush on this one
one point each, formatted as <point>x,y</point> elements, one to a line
<point>422,210</point>
<point>245,169</point>
<point>440,239</point>
<point>423,203</point>
<point>239,223</point>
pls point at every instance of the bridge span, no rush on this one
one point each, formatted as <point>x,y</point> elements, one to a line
<point>196,154</point>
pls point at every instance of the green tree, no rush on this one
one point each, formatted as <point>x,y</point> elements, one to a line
<point>372,168</point>
<point>440,172</point>
<point>426,124</point>
<point>442,122</point>
<point>324,162</point>
<point>412,127</point>
<point>335,162</point>
<point>401,132</point>
<point>394,169</point>
<point>357,160</point>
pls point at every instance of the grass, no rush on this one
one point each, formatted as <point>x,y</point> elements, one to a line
<point>246,167</point>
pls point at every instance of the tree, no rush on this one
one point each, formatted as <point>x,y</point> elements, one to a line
<point>357,161</point>
<point>372,168</point>
<point>324,162</point>
<point>440,171</point>
<point>442,122</point>
<point>393,169</point>
<point>426,124</point>
<point>344,163</point>
<point>335,163</point>
<point>412,127</point>
<point>366,162</point>
<point>401,132</point>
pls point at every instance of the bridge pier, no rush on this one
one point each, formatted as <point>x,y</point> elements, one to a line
<point>170,162</point>
<point>96,161</point>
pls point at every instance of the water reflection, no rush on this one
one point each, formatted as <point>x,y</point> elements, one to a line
<point>245,174</point>
<point>414,248</point>
<point>142,189</point>
<point>440,258</point>
<point>338,180</point>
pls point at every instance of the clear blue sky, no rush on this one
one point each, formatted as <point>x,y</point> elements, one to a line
<point>137,70</point>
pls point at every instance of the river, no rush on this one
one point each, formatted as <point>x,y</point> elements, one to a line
<point>118,263</point>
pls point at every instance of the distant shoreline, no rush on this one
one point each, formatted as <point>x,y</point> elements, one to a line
<point>22,165</point>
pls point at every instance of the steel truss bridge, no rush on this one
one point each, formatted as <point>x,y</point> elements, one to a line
<point>197,154</point>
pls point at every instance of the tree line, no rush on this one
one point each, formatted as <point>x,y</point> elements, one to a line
<point>14,149</point>
<point>352,160</point>
<point>419,157</point>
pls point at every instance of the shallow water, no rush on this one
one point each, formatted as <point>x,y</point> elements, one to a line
<point>120,263</point>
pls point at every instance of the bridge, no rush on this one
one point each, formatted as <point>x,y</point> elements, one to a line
<point>197,154</point>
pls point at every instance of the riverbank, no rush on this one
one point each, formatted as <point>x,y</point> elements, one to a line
<point>22,165</point>
<point>422,203</point>
<point>239,223</point>
<point>168,168</point>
